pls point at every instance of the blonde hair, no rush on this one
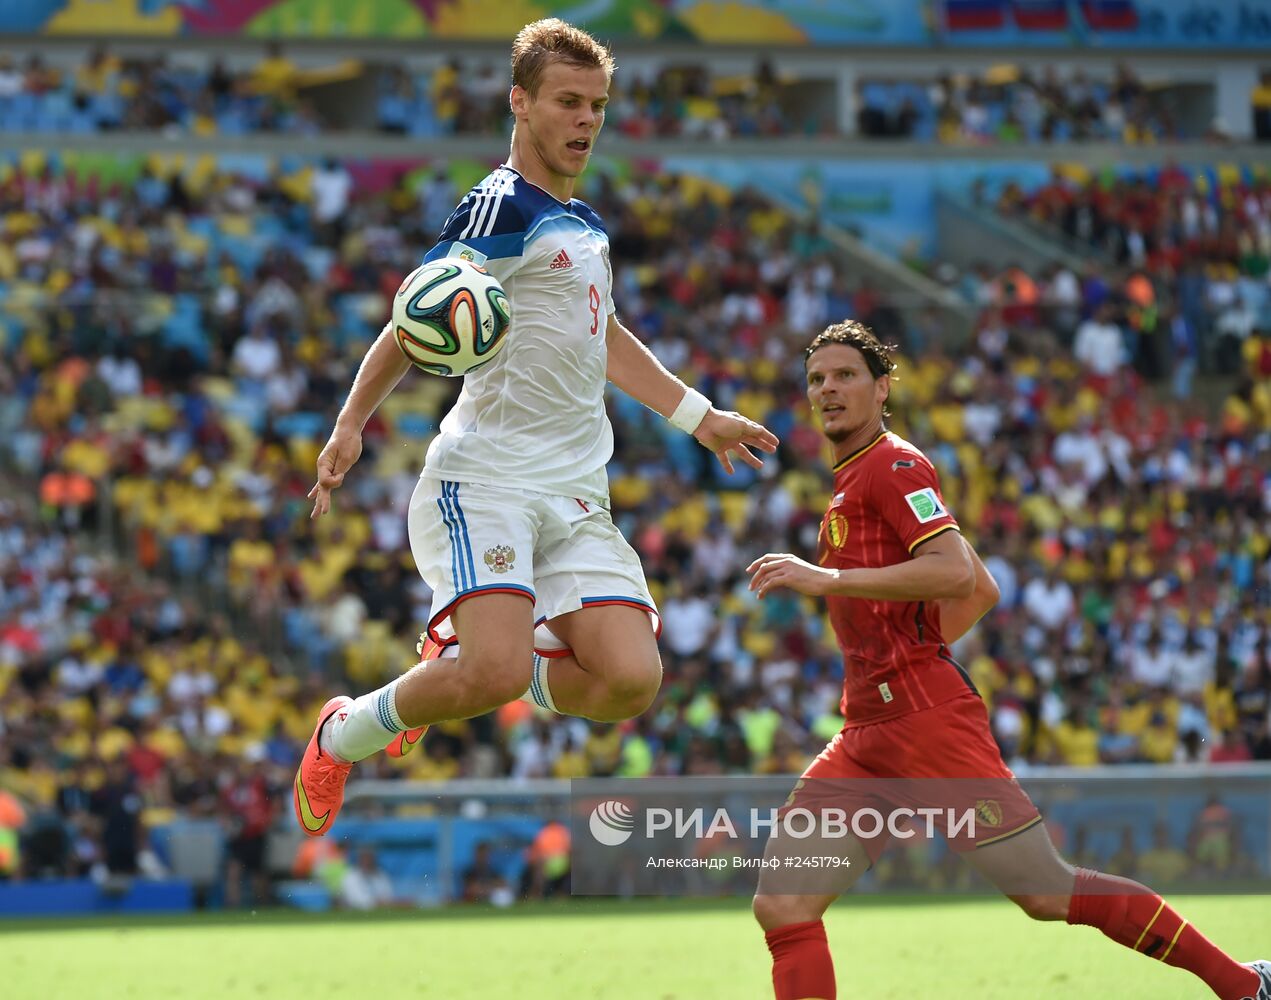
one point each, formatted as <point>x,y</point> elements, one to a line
<point>553,40</point>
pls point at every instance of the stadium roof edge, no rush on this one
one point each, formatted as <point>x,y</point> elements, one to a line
<point>372,48</point>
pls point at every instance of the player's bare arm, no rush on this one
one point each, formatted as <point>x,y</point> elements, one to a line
<point>940,568</point>
<point>635,370</point>
<point>958,615</point>
<point>379,373</point>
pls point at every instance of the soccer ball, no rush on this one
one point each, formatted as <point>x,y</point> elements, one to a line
<point>450,316</point>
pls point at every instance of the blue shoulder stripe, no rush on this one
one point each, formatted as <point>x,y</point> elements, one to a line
<point>589,215</point>
<point>493,247</point>
<point>555,215</point>
<point>490,219</point>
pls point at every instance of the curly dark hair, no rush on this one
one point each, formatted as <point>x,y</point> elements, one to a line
<point>852,333</point>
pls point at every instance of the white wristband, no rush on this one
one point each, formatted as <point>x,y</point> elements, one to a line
<point>691,411</point>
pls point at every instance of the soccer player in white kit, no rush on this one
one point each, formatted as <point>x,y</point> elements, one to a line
<point>509,523</point>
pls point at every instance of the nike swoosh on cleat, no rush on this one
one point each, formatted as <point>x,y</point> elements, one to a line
<point>312,823</point>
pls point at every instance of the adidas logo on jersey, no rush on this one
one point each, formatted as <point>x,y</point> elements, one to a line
<point>561,262</point>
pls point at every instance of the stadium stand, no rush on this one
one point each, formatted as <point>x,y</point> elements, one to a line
<point>1159,218</point>
<point>188,91</point>
<point>1011,104</point>
<point>1125,632</point>
<point>172,350</point>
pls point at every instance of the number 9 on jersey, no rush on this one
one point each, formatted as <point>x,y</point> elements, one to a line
<point>450,316</point>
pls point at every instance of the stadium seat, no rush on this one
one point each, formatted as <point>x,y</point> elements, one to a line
<point>392,112</point>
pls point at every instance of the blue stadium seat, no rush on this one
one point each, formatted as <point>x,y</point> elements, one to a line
<point>627,407</point>
<point>508,837</point>
<point>392,111</point>
<point>107,109</point>
<point>302,424</point>
<point>270,228</point>
<point>876,95</point>
<point>189,554</point>
<point>253,166</point>
<point>415,425</point>
<point>297,627</point>
<point>409,851</point>
<point>58,105</point>
<point>25,109</point>
<point>232,121</point>
<point>311,897</point>
<point>348,309</point>
<point>916,94</point>
<point>682,452</point>
<point>202,225</point>
<point>44,122</point>
<point>244,253</point>
<point>185,327</point>
<point>317,260</point>
<point>247,407</point>
<point>422,123</point>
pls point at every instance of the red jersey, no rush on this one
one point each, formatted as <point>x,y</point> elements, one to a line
<point>886,503</point>
<point>249,801</point>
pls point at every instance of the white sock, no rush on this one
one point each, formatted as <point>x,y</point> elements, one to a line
<point>368,726</point>
<point>540,693</point>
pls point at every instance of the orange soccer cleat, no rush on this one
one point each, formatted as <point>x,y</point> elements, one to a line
<point>404,743</point>
<point>319,789</point>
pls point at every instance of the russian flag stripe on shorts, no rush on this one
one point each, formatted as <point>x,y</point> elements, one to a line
<point>452,529</point>
<point>536,689</point>
<point>467,542</point>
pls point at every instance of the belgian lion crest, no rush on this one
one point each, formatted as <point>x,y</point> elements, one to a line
<point>989,812</point>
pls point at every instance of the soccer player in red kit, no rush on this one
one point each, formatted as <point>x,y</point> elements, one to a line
<point>901,583</point>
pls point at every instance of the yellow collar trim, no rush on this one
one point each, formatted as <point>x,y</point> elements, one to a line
<point>859,452</point>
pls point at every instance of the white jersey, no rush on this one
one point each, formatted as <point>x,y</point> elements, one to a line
<point>534,417</point>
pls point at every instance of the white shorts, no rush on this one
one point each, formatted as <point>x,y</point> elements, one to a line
<point>561,553</point>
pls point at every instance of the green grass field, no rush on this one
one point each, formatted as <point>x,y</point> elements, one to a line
<point>982,949</point>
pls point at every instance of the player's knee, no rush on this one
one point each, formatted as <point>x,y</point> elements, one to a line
<point>496,675</point>
<point>773,911</point>
<point>1043,907</point>
<point>630,687</point>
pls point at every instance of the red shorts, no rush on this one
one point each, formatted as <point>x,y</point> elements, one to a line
<point>942,758</point>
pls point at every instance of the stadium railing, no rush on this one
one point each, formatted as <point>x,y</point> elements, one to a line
<point>373,145</point>
<point>1219,816</point>
<point>967,235</point>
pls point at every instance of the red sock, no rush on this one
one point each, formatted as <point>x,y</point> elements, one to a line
<point>801,965</point>
<point>1133,915</point>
